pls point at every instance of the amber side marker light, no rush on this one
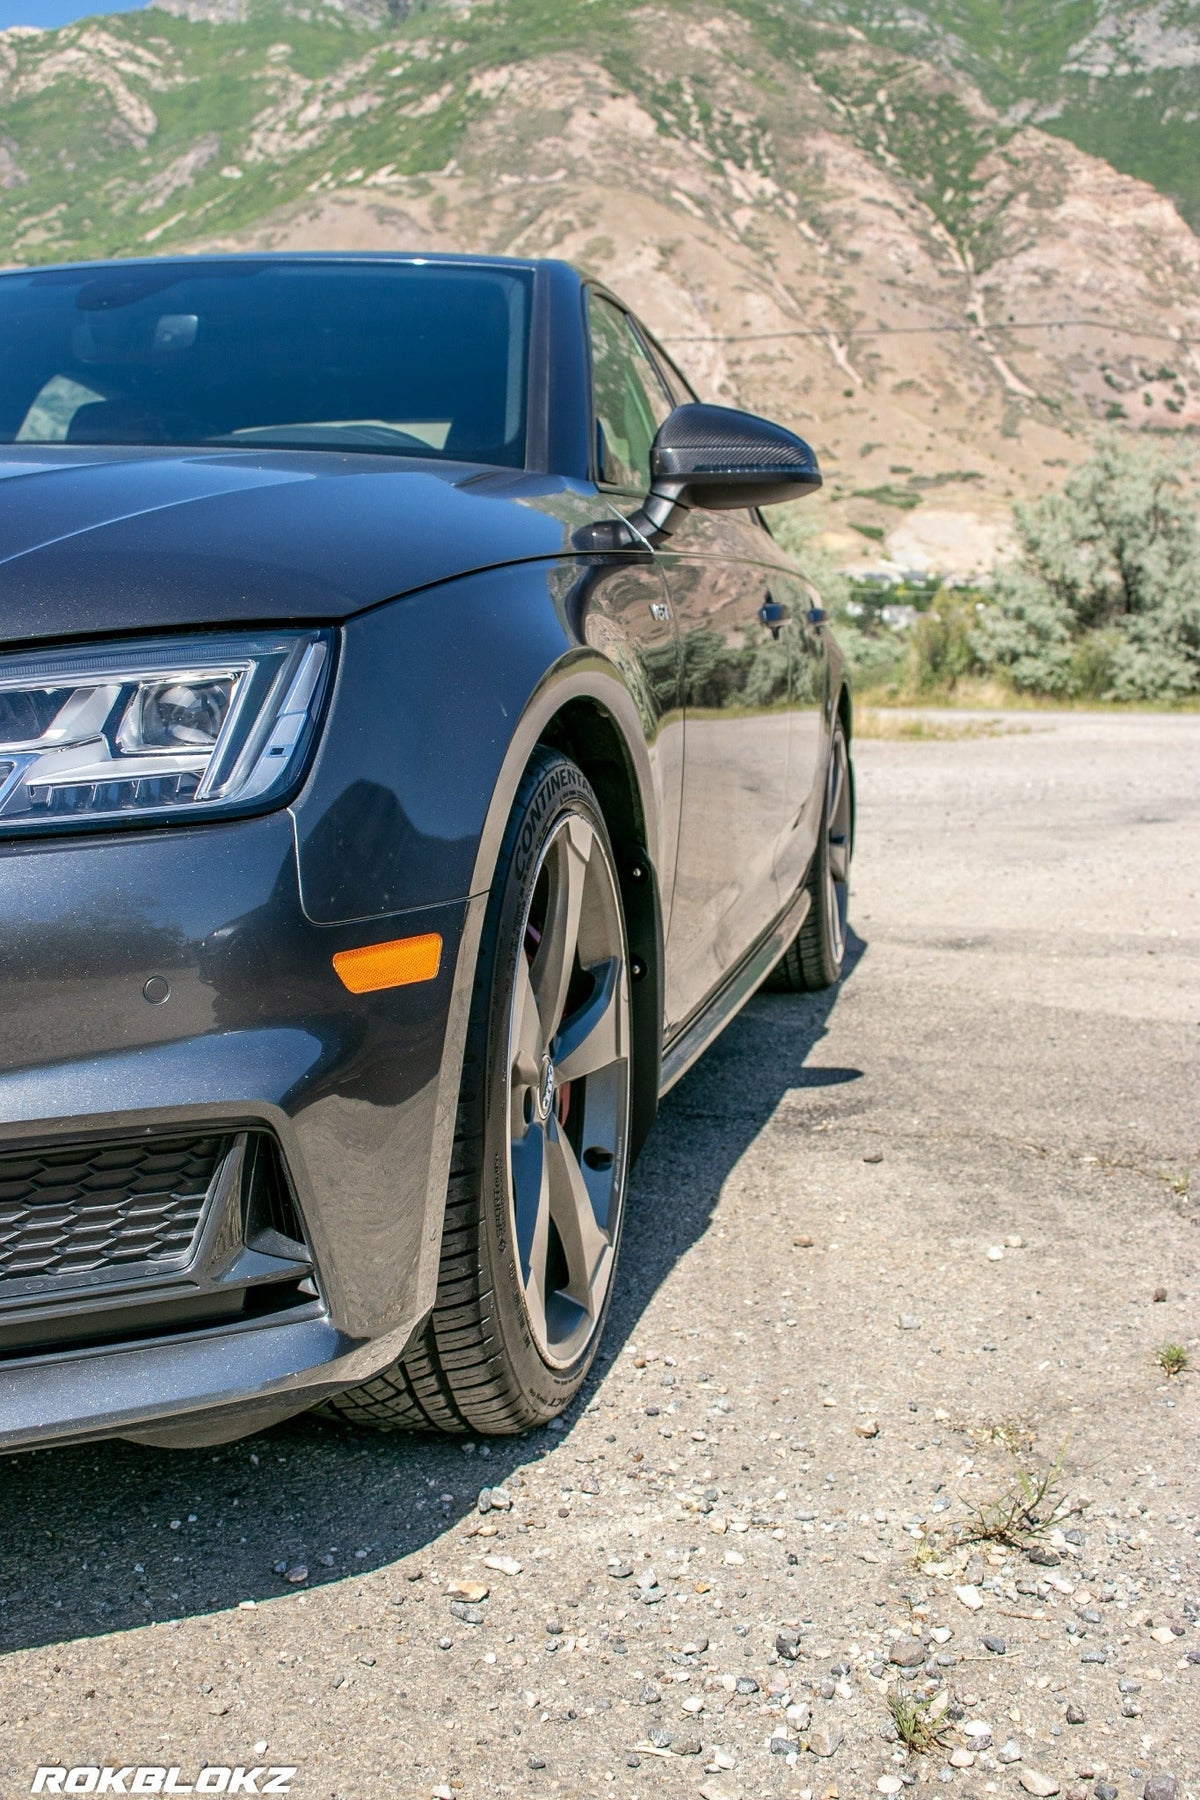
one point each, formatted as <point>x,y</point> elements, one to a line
<point>398,963</point>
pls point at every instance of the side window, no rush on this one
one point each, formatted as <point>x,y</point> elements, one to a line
<point>628,399</point>
<point>676,384</point>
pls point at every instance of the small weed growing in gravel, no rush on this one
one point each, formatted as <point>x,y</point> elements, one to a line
<point>1029,1508</point>
<point>1178,1184</point>
<point>921,1727</point>
<point>1011,1433</point>
<point>1172,1359</point>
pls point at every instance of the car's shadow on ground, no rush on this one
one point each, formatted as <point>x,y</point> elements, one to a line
<point>110,1536</point>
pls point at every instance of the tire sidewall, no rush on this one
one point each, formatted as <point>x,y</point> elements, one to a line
<point>552,789</point>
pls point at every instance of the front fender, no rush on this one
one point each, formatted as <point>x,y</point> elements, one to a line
<point>439,701</point>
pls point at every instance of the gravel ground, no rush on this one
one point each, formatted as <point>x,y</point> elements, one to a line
<point>884,1252</point>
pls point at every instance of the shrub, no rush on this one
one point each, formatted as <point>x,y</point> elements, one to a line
<point>1102,597</point>
<point>942,643</point>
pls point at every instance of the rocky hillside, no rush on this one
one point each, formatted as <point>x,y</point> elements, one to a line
<point>886,225</point>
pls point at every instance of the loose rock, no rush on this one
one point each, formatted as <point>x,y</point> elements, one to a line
<point>1160,1787</point>
<point>826,1740</point>
<point>503,1565</point>
<point>907,1653</point>
<point>472,1591</point>
<point>1034,1782</point>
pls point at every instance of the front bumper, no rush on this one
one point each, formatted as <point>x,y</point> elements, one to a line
<point>257,1036</point>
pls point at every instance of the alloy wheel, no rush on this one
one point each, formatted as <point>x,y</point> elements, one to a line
<point>568,1090</point>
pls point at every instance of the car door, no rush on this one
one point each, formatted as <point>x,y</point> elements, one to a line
<point>802,631</point>
<point>736,686</point>
<point>736,681</point>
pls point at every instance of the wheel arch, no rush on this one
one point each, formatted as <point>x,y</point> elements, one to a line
<point>584,711</point>
<point>587,733</point>
<point>845,715</point>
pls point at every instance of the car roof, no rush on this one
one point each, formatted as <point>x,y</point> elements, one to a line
<point>333,257</point>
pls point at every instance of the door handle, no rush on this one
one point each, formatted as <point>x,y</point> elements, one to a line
<point>772,615</point>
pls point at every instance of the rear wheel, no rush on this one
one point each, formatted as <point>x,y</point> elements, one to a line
<point>537,1189</point>
<point>814,959</point>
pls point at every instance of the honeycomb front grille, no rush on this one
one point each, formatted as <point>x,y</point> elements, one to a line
<point>83,1210</point>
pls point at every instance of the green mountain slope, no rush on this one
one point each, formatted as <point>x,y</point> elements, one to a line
<point>1119,78</point>
<point>839,215</point>
<point>94,118</point>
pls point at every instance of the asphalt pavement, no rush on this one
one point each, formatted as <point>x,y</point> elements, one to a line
<point>890,1253</point>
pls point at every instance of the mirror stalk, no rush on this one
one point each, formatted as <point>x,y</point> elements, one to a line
<point>661,512</point>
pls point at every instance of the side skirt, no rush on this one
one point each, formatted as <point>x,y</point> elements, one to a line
<point>730,998</point>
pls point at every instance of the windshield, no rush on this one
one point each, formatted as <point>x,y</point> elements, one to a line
<point>403,359</point>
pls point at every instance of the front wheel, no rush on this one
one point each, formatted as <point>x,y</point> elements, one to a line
<point>814,959</point>
<point>534,1211</point>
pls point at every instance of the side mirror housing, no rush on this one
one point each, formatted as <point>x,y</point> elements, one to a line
<point>719,459</point>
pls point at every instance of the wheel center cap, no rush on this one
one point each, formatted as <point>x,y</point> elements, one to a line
<point>546,1089</point>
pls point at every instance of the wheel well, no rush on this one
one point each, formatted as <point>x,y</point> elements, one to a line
<point>586,733</point>
<point>845,713</point>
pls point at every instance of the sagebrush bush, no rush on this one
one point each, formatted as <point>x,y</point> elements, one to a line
<point>1101,599</point>
<point>942,642</point>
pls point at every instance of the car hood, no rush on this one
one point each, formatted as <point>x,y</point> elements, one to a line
<point>99,541</point>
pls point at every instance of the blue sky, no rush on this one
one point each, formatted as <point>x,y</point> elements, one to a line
<point>57,12</point>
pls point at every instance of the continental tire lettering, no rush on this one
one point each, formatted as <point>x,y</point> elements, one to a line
<point>499,1205</point>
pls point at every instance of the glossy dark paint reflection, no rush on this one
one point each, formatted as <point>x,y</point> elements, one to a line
<point>95,542</point>
<point>257,1027</point>
<point>475,615</point>
<point>493,650</point>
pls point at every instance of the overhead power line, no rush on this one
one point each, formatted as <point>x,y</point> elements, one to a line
<point>856,331</point>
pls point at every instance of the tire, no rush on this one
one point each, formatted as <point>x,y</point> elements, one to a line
<point>814,959</point>
<point>541,1152</point>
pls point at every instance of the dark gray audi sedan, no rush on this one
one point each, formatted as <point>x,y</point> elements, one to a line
<point>414,748</point>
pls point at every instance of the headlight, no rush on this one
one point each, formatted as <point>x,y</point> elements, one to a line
<point>185,728</point>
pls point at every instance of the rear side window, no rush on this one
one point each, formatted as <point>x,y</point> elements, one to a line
<point>629,401</point>
<point>677,385</point>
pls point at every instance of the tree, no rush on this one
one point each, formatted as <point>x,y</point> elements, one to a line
<point>1102,597</point>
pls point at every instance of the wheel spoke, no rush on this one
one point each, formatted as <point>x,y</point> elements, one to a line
<point>584,1244</point>
<point>837,815</point>
<point>591,1038</point>
<point>525,1046</point>
<point>554,963</point>
<point>531,1207</point>
<point>836,779</point>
